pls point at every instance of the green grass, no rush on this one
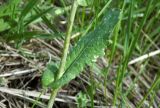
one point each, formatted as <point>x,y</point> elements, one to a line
<point>110,80</point>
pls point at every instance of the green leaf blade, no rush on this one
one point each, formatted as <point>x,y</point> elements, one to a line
<point>28,8</point>
<point>88,48</point>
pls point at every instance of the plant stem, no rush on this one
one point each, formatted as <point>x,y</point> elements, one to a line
<point>67,40</point>
<point>113,51</point>
<point>154,85</point>
<point>52,98</point>
<point>65,51</point>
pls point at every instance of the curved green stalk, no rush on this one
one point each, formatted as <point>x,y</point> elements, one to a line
<point>65,51</point>
<point>154,85</point>
<point>114,47</point>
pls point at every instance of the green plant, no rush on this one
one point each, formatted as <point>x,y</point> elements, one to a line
<point>87,50</point>
<point>129,33</point>
<point>82,100</point>
<point>18,20</point>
